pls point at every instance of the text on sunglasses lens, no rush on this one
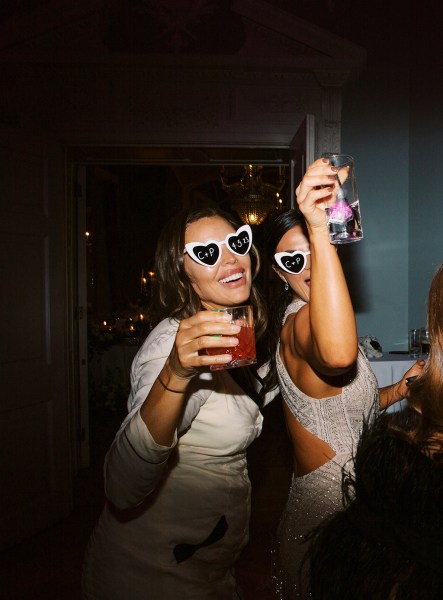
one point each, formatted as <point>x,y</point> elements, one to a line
<point>292,262</point>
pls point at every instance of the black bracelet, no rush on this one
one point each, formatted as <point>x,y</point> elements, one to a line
<point>169,389</point>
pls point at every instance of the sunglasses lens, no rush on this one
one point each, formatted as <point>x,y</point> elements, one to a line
<point>240,242</point>
<point>207,255</point>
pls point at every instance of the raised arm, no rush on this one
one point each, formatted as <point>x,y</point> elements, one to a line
<point>326,328</point>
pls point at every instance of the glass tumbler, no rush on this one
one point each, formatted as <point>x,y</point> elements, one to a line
<point>343,217</point>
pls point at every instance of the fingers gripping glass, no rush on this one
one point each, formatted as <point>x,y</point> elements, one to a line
<point>209,253</point>
<point>292,262</point>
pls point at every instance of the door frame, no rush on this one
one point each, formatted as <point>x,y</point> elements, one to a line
<point>78,157</point>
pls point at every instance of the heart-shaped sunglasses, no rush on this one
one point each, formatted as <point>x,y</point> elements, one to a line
<point>292,262</point>
<point>209,253</point>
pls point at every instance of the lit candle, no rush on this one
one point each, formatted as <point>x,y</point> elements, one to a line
<point>143,282</point>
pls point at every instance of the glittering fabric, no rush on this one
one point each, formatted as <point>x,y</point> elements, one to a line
<point>338,421</point>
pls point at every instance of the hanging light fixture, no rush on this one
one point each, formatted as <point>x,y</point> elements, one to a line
<point>251,197</point>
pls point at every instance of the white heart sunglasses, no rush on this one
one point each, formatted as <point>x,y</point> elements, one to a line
<point>209,253</point>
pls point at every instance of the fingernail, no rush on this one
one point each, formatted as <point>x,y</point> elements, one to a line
<point>325,160</point>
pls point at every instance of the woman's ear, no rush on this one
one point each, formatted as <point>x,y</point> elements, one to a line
<point>279,273</point>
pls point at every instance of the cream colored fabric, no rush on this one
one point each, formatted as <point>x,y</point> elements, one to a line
<point>174,495</point>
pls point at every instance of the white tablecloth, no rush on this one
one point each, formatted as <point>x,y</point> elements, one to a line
<point>390,368</point>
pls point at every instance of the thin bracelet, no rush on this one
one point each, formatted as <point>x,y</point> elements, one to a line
<point>169,389</point>
<point>188,375</point>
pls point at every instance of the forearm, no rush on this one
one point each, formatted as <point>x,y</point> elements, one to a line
<point>332,320</point>
<point>391,394</point>
<point>134,464</point>
<point>164,405</point>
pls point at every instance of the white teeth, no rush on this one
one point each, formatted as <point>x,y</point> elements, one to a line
<point>231,278</point>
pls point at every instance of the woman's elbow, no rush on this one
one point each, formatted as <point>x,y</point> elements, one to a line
<point>339,361</point>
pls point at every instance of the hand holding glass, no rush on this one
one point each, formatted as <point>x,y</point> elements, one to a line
<point>244,353</point>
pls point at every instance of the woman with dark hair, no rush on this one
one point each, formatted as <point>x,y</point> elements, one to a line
<point>176,482</point>
<point>327,384</point>
<point>388,542</point>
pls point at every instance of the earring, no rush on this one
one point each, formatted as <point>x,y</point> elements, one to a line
<point>286,286</point>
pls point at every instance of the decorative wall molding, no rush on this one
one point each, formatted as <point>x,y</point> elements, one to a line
<point>72,84</point>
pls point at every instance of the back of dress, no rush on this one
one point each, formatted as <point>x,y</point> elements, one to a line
<point>338,421</point>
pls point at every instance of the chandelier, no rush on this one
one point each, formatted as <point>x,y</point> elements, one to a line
<point>251,197</point>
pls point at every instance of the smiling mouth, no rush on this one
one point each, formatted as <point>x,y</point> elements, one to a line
<point>231,278</point>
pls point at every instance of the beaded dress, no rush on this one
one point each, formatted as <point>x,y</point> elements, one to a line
<point>338,421</point>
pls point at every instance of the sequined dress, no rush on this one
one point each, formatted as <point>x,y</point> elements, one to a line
<point>337,420</point>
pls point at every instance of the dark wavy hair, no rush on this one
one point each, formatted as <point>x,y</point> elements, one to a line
<point>174,295</point>
<point>277,306</point>
<point>426,392</point>
<point>387,543</point>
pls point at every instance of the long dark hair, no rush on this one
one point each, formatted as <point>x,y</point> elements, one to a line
<point>386,543</point>
<point>426,393</point>
<point>277,306</point>
<point>175,297</point>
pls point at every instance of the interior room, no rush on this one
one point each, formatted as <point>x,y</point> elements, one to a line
<point>112,115</point>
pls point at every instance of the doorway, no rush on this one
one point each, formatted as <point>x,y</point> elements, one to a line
<point>123,199</point>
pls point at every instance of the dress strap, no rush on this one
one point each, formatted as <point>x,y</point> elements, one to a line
<point>294,307</point>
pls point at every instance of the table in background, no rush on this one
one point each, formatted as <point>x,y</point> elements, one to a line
<point>390,368</point>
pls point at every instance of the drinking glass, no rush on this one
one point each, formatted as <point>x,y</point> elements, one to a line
<point>244,353</point>
<point>414,344</point>
<point>424,342</point>
<point>343,217</point>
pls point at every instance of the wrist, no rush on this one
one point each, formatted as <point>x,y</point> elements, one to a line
<point>319,235</point>
<point>177,371</point>
<point>400,390</point>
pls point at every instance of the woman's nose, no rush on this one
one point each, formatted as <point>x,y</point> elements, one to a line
<point>228,256</point>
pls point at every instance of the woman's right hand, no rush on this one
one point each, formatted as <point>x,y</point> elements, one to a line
<point>163,407</point>
<point>315,192</point>
<point>197,333</point>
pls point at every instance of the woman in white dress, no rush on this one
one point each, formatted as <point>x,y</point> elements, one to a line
<point>176,481</point>
<point>327,385</point>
